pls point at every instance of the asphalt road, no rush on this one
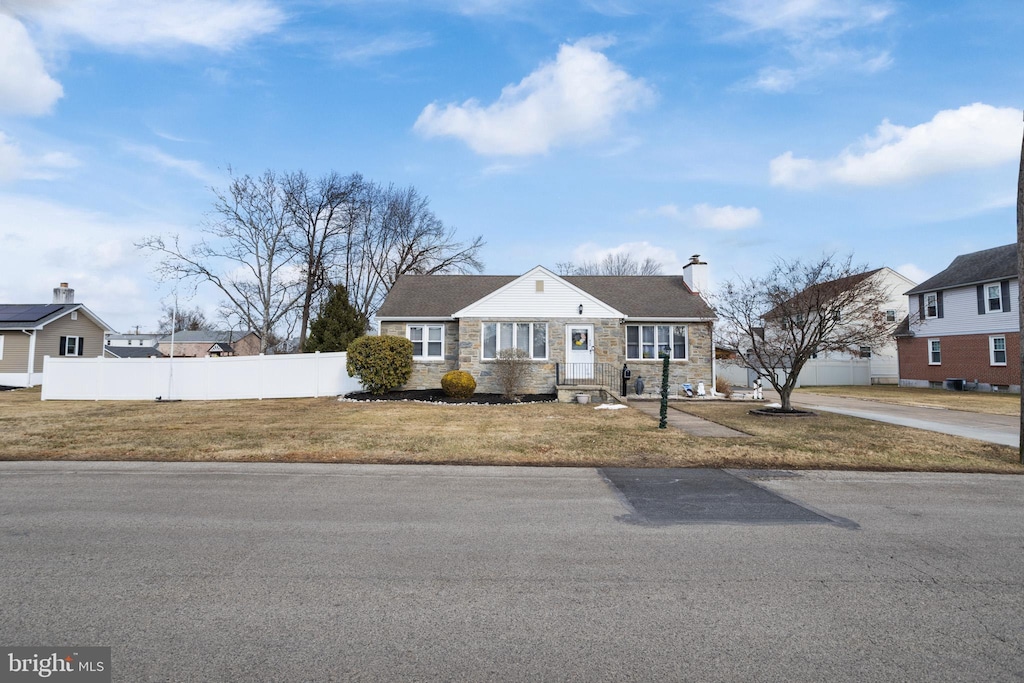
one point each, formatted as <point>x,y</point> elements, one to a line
<point>264,572</point>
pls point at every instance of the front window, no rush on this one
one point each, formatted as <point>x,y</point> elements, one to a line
<point>530,338</point>
<point>934,352</point>
<point>865,352</point>
<point>994,297</point>
<point>427,341</point>
<point>651,341</point>
<point>997,350</point>
<point>890,316</point>
<point>931,305</point>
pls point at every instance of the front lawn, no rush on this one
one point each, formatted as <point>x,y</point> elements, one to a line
<point>326,430</point>
<point>971,401</point>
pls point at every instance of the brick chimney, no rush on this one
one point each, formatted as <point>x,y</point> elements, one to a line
<point>695,274</point>
<point>63,294</point>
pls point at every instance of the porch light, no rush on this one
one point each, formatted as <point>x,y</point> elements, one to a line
<point>580,309</point>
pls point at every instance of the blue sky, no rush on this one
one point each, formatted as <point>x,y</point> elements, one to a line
<point>739,129</point>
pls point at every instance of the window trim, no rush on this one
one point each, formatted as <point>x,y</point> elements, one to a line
<point>925,311</point>
<point>989,300</point>
<point>992,350</point>
<point>930,361</point>
<point>890,315</point>
<point>534,325</point>
<point>63,346</point>
<point>671,341</point>
<point>425,340</point>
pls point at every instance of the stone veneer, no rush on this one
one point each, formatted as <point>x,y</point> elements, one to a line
<point>462,352</point>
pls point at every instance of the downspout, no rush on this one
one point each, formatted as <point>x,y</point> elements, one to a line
<point>31,354</point>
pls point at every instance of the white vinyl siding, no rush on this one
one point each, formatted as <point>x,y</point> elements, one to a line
<point>993,297</point>
<point>960,315</point>
<point>997,350</point>
<point>524,297</point>
<point>427,341</point>
<point>931,305</point>
<point>530,338</point>
<point>648,342</point>
<point>934,352</point>
<point>1,347</point>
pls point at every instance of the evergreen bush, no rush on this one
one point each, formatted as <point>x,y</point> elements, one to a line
<point>458,384</point>
<point>381,363</point>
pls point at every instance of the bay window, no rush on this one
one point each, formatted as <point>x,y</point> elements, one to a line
<point>530,338</point>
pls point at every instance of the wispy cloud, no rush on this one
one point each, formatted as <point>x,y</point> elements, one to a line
<point>819,36</point>
<point>383,46</point>
<point>157,156</point>
<point>15,164</point>
<point>143,24</point>
<point>590,252</point>
<point>572,99</point>
<point>975,136</point>
<point>708,217</point>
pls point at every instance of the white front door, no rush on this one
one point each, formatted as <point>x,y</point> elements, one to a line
<point>579,352</point>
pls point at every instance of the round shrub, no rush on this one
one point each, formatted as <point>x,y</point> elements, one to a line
<point>458,384</point>
<point>381,363</point>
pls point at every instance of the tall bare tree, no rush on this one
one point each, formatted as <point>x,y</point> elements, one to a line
<point>777,322</point>
<point>190,319</point>
<point>622,263</point>
<point>397,233</point>
<point>245,252</point>
<point>324,212</point>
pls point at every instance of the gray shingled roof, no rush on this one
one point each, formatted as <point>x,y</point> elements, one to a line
<point>133,351</point>
<point>639,296</point>
<point>998,263</point>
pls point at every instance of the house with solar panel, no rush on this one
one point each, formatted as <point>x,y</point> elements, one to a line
<point>574,331</point>
<point>30,332</point>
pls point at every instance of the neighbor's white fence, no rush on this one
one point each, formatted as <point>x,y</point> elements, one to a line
<point>197,379</point>
<point>825,373</point>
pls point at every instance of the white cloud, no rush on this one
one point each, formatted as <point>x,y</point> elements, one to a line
<point>912,272</point>
<point>974,136</point>
<point>25,85</point>
<point>135,24</point>
<point>94,252</point>
<point>572,99</point>
<point>590,252</point>
<point>712,217</point>
<point>17,165</point>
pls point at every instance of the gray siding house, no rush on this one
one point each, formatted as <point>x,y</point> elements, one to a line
<point>30,332</point>
<point>574,329</point>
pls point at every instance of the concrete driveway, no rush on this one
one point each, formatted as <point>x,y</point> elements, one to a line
<point>999,429</point>
<point>264,572</point>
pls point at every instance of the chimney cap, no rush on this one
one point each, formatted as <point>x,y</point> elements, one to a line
<point>64,284</point>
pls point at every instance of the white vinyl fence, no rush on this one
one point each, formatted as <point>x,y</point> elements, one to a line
<point>300,375</point>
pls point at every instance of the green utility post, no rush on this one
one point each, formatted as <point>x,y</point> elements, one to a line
<point>664,392</point>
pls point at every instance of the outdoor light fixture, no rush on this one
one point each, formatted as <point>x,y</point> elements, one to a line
<point>580,309</point>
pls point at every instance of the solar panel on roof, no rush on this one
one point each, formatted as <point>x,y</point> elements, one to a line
<point>26,313</point>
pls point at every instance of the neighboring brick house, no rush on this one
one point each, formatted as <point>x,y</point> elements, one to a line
<point>963,324</point>
<point>30,332</point>
<point>202,343</point>
<point>579,327</point>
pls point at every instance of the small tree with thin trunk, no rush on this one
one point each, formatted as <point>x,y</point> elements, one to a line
<point>776,323</point>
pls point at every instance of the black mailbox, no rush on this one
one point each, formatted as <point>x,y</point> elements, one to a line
<point>626,374</point>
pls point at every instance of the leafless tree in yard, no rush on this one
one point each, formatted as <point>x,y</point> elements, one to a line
<point>612,264</point>
<point>245,253</point>
<point>190,319</point>
<point>324,212</point>
<point>510,370</point>
<point>777,322</point>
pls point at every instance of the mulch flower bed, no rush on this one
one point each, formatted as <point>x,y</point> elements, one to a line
<point>779,412</point>
<point>438,396</point>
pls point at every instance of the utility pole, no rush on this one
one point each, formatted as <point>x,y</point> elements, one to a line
<point>1020,282</point>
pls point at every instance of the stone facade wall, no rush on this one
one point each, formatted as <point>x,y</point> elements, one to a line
<point>427,374</point>
<point>463,352</point>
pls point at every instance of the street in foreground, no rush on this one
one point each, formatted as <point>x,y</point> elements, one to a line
<point>235,572</point>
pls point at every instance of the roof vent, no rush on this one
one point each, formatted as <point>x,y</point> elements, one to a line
<point>63,294</point>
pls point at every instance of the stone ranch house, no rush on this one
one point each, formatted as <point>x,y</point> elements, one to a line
<point>576,330</point>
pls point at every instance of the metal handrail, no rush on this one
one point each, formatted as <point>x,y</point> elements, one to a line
<point>599,374</point>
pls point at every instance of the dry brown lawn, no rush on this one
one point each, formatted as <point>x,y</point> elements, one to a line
<point>326,430</point>
<point>971,401</point>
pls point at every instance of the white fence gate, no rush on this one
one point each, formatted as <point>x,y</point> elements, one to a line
<point>302,375</point>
